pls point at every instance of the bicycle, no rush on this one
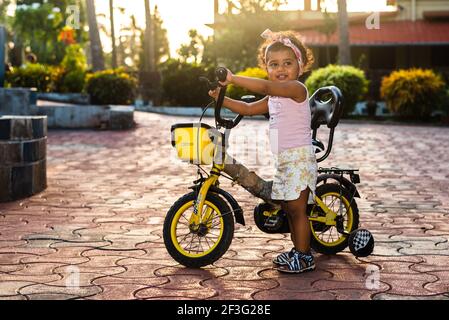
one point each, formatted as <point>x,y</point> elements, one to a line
<point>199,227</point>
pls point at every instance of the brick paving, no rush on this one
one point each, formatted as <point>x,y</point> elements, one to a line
<point>96,231</point>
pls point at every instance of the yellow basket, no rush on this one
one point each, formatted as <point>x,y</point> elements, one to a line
<point>192,142</point>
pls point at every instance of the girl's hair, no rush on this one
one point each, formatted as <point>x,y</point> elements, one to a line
<point>306,53</point>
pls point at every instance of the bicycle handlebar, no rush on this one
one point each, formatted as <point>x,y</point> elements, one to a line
<point>221,74</point>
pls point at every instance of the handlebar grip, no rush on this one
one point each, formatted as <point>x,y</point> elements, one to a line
<point>221,74</point>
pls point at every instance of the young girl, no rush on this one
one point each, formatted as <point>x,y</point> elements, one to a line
<point>287,100</point>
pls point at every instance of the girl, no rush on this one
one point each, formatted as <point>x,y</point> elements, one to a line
<point>287,100</point>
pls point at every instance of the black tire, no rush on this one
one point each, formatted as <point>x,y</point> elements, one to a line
<point>318,229</point>
<point>221,246</point>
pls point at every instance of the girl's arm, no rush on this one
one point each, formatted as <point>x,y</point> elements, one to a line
<point>290,89</point>
<point>243,108</point>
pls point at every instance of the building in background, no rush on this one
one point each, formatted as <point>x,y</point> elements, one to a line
<point>414,33</point>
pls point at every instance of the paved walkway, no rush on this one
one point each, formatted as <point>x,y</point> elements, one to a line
<point>95,233</point>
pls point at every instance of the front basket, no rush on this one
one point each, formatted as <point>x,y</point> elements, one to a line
<point>193,143</point>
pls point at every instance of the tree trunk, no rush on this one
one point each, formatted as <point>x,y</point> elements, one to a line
<point>2,55</point>
<point>328,53</point>
<point>149,40</point>
<point>344,52</point>
<point>249,180</point>
<point>111,18</point>
<point>94,35</point>
<point>16,54</point>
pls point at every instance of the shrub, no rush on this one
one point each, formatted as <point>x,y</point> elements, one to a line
<point>237,92</point>
<point>181,85</point>
<point>32,75</point>
<point>57,78</point>
<point>413,92</point>
<point>74,81</point>
<point>70,77</point>
<point>111,87</point>
<point>350,80</point>
<point>67,82</point>
<point>74,59</point>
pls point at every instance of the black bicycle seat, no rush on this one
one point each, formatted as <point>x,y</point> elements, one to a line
<point>326,106</point>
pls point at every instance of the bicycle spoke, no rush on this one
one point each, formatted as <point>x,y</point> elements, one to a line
<point>185,237</point>
<point>217,216</point>
<point>199,244</point>
<point>183,234</point>
<point>183,223</point>
<point>216,236</point>
<point>205,238</point>
<point>185,248</point>
<point>184,218</point>
<point>330,233</point>
<point>216,224</point>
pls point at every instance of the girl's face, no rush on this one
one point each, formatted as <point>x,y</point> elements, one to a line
<point>282,65</point>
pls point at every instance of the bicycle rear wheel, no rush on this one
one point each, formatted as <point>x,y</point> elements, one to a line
<point>327,239</point>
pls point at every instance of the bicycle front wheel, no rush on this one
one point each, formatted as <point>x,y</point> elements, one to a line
<point>197,245</point>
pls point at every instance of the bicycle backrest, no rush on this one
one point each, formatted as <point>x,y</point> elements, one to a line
<point>326,106</point>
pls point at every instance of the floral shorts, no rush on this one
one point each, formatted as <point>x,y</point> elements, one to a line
<point>296,169</point>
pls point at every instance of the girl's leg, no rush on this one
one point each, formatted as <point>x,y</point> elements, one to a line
<point>292,231</point>
<point>299,225</point>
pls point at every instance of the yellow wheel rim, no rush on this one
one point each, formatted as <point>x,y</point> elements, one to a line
<point>329,236</point>
<point>187,242</point>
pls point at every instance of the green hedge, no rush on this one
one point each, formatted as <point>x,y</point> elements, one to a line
<point>350,80</point>
<point>31,75</point>
<point>68,77</point>
<point>111,87</point>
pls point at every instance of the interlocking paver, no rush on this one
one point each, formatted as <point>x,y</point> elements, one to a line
<point>96,231</point>
<point>41,291</point>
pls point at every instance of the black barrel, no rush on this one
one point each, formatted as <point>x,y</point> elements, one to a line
<point>23,156</point>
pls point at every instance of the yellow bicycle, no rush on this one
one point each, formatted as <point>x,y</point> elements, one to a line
<point>199,227</point>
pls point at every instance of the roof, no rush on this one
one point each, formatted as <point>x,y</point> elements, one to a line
<point>420,32</point>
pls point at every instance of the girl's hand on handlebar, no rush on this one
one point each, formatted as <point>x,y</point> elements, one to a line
<point>214,93</point>
<point>229,77</point>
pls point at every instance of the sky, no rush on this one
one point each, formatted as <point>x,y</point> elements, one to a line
<point>180,16</point>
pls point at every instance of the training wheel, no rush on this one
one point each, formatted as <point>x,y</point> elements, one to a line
<point>361,242</point>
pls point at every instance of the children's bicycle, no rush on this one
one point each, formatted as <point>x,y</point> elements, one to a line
<point>199,227</point>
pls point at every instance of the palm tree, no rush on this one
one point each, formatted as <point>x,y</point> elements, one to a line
<point>149,40</point>
<point>328,28</point>
<point>95,42</point>
<point>114,49</point>
<point>344,52</point>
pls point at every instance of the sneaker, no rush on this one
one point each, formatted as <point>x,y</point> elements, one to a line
<point>298,263</point>
<point>284,257</point>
